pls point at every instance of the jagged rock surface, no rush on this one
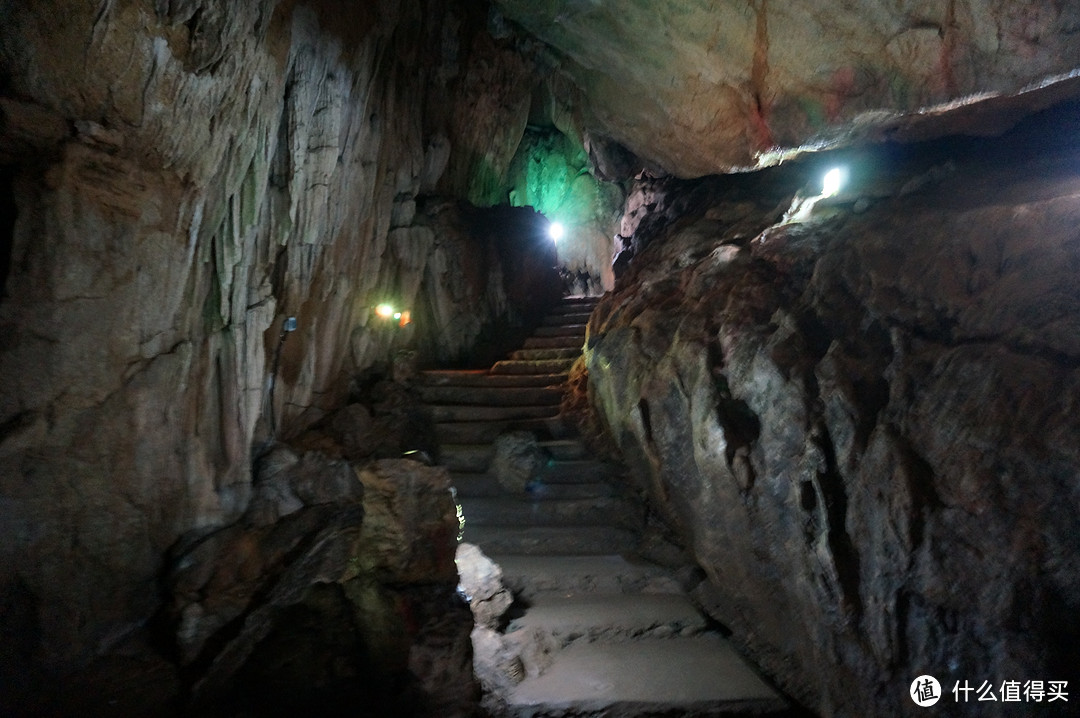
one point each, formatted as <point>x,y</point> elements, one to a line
<point>179,177</point>
<point>349,600</point>
<point>705,87</point>
<point>864,423</point>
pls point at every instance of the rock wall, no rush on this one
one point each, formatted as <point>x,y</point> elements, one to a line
<point>863,422</point>
<point>185,175</point>
<point>337,590</point>
<point>712,84</point>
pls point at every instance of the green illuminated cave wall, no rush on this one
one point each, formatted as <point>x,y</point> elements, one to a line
<point>550,173</point>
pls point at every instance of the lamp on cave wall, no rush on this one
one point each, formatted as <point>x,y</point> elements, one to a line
<point>556,231</point>
<point>388,312</point>
<point>833,181</point>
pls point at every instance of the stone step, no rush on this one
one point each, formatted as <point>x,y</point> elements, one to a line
<point>551,540</point>
<point>486,485</point>
<point>577,472</point>
<point>458,412</point>
<point>544,354</point>
<point>451,377</point>
<point>565,330</point>
<point>492,396</point>
<point>533,366</point>
<point>577,303</point>
<point>559,621</point>
<point>529,576</point>
<point>465,457</point>
<point>558,342</point>
<point>565,449</point>
<point>539,510</point>
<point>484,432</point>
<point>476,457</point>
<point>697,676</point>
<point>553,320</point>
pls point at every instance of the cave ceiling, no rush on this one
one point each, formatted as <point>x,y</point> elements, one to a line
<point>702,86</point>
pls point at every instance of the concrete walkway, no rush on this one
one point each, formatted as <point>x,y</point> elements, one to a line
<point>610,634</point>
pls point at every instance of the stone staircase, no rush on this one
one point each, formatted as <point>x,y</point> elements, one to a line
<point>611,634</point>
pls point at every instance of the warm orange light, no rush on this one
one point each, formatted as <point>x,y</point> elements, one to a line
<point>404,318</point>
<point>385,311</point>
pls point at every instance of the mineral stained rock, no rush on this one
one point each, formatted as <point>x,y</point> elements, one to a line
<point>348,601</point>
<point>707,85</point>
<point>864,424</point>
<point>178,179</point>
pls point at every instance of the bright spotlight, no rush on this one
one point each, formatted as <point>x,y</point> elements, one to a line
<point>833,181</point>
<point>385,311</point>
<point>556,231</point>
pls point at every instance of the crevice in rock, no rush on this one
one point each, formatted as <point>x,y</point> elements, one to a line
<point>646,421</point>
<point>834,496</point>
<point>8,213</point>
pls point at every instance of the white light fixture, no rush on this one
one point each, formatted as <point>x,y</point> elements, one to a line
<point>556,231</point>
<point>834,181</point>
<point>385,310</point>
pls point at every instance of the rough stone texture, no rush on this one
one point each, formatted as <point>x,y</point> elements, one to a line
<point>864,423</point>
<point>179,177</point>
<point>349,599</point>
<point>480,580</point>
<point>706,86</point>
<point>517,461</point>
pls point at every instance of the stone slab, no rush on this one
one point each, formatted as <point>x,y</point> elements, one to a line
<point>551,540</point>
<point>607,511</point>
<point>699,676</point>
<point>457,412</point>
<point>482,484</point>
<point>451,377</point>
<point>533,366</point>
<point>609,617</point>
<point>528,576</point>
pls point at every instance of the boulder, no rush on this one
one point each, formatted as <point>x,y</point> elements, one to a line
<point>349,600</point>
<point>480,582</point>
<point>517,460</point>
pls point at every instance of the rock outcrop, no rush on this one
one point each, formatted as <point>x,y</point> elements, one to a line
<point>345,599</point>
<point>711,85</point>
<point>863,421</point>
<point>178,178</point>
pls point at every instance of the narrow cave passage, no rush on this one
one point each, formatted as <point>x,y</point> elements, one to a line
<point>305,408</point>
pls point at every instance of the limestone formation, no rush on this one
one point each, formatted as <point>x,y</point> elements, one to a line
<point>348,598</point>
<point>178,179</point>
<point>517,461</point>
<point>708,86</point>
<point>480,582</point>
<point>231,230</point>
<point>862,423</point>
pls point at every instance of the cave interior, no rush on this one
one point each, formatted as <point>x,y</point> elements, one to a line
<point>562,358</point>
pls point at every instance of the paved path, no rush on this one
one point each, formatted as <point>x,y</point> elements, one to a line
<point>615,635</point>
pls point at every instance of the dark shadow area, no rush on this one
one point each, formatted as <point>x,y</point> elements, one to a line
<point>8,213</point>
<point>515,239</point>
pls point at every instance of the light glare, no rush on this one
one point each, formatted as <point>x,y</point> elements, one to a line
<point>556,231</point>
<point>385,311</point>
<point>833,181</point>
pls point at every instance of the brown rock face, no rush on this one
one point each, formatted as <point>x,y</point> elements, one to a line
<point>346,601</point>
<point>178,178</point>
<point>864,422</point>
<point>705,86</point>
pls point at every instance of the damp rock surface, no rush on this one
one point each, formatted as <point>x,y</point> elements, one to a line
<point>349,601</point>
<point>711,85</point>
<point>862,422</point>
<point>179,179</point>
